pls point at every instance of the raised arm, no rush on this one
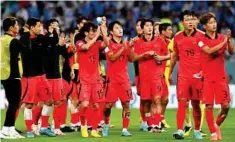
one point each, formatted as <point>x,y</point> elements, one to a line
<point>211,50</point>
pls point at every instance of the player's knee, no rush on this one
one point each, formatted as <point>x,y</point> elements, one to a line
<point>165,101</point>
<point>74,102</point>
<point>85,104</point>
<point>28,106</point>
<point>225,107</point>
<point>49,102</point>
<point>157,100</point>
<point>57,103</point>
<point>209,107</point>
<point>126,106</point>
<point>40,104</point>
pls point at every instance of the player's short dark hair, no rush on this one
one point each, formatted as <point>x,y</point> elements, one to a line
<point>140,20</point>
<point>146,21</point>
<point>49,22</point>
<point>111,25</point>
<point>32,22</point>
<point>184,13</point>
<point>87,27</point>
<point>8,22</point>
<point>80,18</point>
<point>195,14</point>
<point>206,18</point>
<point>72,30</point>
<point>163,27</point>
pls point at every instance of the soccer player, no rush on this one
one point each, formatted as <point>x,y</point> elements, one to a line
<point>52,70</point>
<point>146,52</point>
<point>188,126</point>
<point>75,114</point>
<point>35,87</point>
<point>188,88</point>
<point>215,84</point>
<point>118,53</point>
<point>133,42</point>
<point>90,88</point>
<point>156,28</point>
<point>165,31</point>
<point>70,88</point>
<point>10,75</point>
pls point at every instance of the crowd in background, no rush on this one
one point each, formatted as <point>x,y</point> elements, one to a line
<point>126,12</point>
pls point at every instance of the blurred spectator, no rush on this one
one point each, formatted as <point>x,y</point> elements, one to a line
<point>126,12</point>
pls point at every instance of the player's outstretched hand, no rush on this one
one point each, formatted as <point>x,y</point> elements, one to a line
<point>229,33</point>
<point>104,21</point>
<point>98,31</point>
<point>104,30</point>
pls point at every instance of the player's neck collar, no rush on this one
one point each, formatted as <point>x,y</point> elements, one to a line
<point>216,36</point>
<point>147,40</point>
<point>116,41</point>
<point>12,35</point>
<point>194,32</point>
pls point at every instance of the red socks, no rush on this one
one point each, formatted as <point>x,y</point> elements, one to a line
<point>63,113</point>
<point>36,114</point>
<point>46,111</point>
<point>125,119</point>
<point>93,118</point>
<point>181,112</point>
<point>196,114</point>
<point>142,112</point>
<point>75,117</point>
<point>210,120</point>
<point>28,124</point>
<point>149,118</point>
<point>101,109</point>
<point>28,119</point>
<point>58,115</point>
<point>157,119</point>
<point>82,116</point>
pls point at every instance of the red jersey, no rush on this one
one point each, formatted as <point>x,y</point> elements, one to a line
<point>213,66</point>
<point>149,69</point>
<point>189,53</point>
<point>88,62</point>
<point>117,71</point>
<point>164,52</point>
<point>71,59</point>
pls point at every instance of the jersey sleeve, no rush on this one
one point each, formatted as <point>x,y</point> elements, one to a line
<point>79,45</point>
<point>136,48</point>
<point>175,45</point>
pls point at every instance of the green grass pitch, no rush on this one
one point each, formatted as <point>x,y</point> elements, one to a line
<point>228,130</point>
